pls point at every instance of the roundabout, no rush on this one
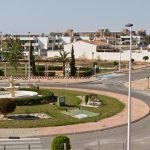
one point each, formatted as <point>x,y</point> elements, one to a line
<point>114,121</point>
<point>140,128</point>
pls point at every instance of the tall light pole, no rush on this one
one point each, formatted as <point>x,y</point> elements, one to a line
<point>92,63</point>
<point>129,25</point>
<point>29,59</point>
<point>120,58</point>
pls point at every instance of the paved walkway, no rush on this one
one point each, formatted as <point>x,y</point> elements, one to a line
<point>142,84</point>
<point>139,110</point>
<point>55,80</point>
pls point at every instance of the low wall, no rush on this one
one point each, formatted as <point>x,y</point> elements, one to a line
<point>137,56</point>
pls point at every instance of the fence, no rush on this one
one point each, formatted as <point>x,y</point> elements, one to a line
<point>17,143</point>
<point>17,147</point>
<point>104,146</point>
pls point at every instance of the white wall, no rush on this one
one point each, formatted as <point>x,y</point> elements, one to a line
<point>51,53</point>
<point>66,39</point>
<point>81,49</point>
<point>43,42</point>
<point>106,55</point>
<point>124,56</point>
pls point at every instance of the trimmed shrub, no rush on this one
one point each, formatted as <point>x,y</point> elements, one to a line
<point>58,143</point>
<point>45,98</point>
<point>59,68</point>
<point>87,73</point>
<point>7,106</point>
<point>85,68</point>
<point>1,73</point>
<point>40,67</point>
<point>51,74</point>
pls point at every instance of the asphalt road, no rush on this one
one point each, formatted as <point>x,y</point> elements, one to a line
<point>111,139</point>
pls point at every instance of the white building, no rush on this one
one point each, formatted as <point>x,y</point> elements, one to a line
<point>86,49</point>
<point>40,44</point>
<point>136,40</point>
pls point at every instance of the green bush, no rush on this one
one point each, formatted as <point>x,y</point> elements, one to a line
<point>45,98</point>
<point>58,143</point>
<point>87,73</point>
<point>51,73</point>
<point>7,106</point>
<point>58,68</point>
<point>40,67</point>
<point>1,73</point>
<point>84,69</point>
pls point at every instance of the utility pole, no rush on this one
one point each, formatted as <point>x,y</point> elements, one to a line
<point>129,25</point>
<point>29,59</point>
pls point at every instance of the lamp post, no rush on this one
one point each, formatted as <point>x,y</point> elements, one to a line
<point>120,58</point>
<point>129,25</point>
<point>147,82</point>
<point>66,74</point>
<point>29,59</point>
<point>92,63</point>
<point>78,68</point>
<point>95,67</point>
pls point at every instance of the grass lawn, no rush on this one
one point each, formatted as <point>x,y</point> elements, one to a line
<point>110,106</point>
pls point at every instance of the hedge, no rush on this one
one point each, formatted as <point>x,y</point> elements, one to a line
<point>86,73</point>
<point>42,68</point>
<point>47,97</point>
<point>1,73</point>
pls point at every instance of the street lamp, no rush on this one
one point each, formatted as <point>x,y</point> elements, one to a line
<point>147,82</point>
<point>129,25</point>
<point>67,70</point>
<point>29,59</point>
<point>120,51</point>
<point>92,63</point>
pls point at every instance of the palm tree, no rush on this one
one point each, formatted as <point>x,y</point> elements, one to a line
<point>63,58</point>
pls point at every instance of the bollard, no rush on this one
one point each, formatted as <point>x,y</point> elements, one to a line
<point>29,147</point>
<point>65,146</point>
<point>98,145</point>
<point>4,147</point>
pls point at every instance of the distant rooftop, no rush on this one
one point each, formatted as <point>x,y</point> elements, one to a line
<point>96,42</point>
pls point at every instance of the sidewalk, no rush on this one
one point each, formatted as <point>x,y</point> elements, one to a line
<point>53,80</point>
<point>142,84</point>
<point>139,110</point>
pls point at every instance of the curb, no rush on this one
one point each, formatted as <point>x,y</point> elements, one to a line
<point>82,132</point>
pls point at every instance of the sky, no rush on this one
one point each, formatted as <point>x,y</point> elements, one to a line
<point>45,16</point>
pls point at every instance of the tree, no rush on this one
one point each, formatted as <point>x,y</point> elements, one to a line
<point>107,32</point>
<point>64,58</point>
<point>145,58</point>
<point>86,99</point>
<point>132,60</point>
<point>115,64</point>
<point>72,63</point>
<point>147,39</point>
<point>32,60</point>
<point>7,106</point>
<point>13,52</point>
<point>58,143</point>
